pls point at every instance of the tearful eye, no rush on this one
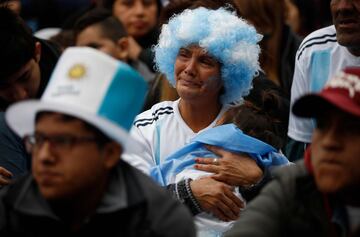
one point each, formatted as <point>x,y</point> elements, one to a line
<point>184,54</point>
<point>207,62</point>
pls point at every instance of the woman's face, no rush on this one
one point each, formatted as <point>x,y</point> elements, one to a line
<point>197,74</point>
<point>138,16</point>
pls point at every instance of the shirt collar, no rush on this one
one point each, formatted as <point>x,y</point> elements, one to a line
<point>29,201</point>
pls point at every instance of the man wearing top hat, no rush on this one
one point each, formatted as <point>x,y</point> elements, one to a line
<point>76,133</point>
<point>320,196</point>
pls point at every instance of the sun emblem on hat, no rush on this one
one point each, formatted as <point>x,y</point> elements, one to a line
<point>77,71</point>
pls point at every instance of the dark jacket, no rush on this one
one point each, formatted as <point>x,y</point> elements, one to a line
<point>13,155</point>
<point>133,205</point>
<point>290,205</point>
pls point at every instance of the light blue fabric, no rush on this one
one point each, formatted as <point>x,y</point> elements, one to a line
<point>228,137</point>
<point>320,67</point>
<point>319,72</point>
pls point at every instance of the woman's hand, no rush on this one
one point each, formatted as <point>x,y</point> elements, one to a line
<point>217,198</point>
<point>232,168</point>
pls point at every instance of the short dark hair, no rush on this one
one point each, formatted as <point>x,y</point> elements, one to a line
<point>262,122</point>
<point>110,26</point>
<point>101,138</point>
<point>17,42</point>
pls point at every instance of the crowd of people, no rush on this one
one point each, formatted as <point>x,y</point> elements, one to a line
<point>180,118</point>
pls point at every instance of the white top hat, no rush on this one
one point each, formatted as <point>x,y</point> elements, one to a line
<point>91,86</point>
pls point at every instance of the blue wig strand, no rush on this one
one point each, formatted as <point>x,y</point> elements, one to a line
<point>226,37</point>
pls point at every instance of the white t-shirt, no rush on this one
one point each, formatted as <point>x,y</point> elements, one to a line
<point>162,131</point>
<point>318,59</point>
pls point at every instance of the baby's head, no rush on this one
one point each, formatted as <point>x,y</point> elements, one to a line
<point>263,123</point>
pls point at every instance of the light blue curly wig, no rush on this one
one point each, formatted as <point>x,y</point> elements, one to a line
<point>226,37</point>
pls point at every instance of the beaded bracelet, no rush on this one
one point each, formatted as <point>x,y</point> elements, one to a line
<point>185,196</point>
<point>191,195</point>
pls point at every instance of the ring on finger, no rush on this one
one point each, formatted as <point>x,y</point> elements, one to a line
<point>216,161</point>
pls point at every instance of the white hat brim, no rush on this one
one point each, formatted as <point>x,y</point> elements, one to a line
<point>21,119</point>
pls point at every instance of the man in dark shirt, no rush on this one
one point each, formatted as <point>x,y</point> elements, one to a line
<point>76,133</point>
<point>26,64</point>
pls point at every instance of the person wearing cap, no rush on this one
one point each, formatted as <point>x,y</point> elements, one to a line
<point>210,57</point>
<point>320,56</point>
<point>320,196</point>
<point>76,133</point>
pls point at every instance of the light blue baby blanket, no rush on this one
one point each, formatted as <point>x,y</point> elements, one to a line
<point>228,137</point>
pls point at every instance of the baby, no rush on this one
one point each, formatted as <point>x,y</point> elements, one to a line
<point>247,129</point>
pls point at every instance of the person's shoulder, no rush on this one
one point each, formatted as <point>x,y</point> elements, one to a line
<point>3,124</point>
<point>159,204</point>
<point>292,175</point>
<point>49,50</point>
<point>148,187</point>
<point>317,40</point>
<point>12,192</point>
<point>6,134</point>
<point>297,169</point>
<point>154,194</point>
<point>158,111</point>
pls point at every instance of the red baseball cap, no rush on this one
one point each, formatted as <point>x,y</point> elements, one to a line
<point>342,91</point>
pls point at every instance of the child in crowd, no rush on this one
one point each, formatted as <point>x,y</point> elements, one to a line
<point>100,30</point>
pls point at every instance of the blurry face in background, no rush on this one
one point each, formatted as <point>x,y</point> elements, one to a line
<point>25,82</point>
<point>92,36</point>
<point>346,18</point>
<point>14,5</point>
<point>335,151</point>
<point>138,16</point>
<point>61,171</point>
